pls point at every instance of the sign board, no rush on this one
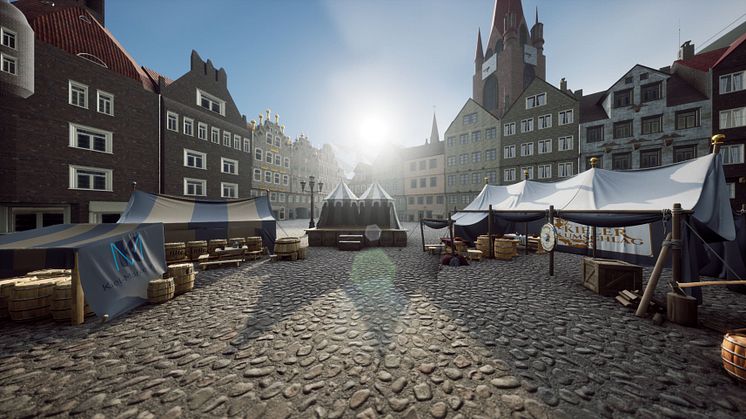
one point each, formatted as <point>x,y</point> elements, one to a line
<point>489,66</point>
<point>633,240</point>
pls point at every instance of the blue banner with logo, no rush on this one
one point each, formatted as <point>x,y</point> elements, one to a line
<point>115,272</point>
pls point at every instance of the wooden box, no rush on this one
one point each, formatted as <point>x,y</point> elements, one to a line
<point>608,277</point>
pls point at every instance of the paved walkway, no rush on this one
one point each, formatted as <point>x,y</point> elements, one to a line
<point>383,332</point>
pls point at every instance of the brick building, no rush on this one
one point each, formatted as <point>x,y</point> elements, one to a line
<point>539,134</point>
<point>205,141</point>
<point>72,149</point>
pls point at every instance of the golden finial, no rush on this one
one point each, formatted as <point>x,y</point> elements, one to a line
<point>594,161</point>
<point>486,180</point>
<point>717,140</point>
<point>277,119</point>
<point>525,174</point>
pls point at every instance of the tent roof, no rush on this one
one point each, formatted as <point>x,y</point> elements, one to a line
<point>64,236</point>
<point>341,192</point>
<point>145,207</point>
<point>375,192</point>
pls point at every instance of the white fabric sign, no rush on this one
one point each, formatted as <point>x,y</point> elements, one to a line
<point>634,240</point>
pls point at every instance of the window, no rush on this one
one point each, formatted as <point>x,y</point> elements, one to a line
<point>269,138</point>
<point>565,143</point>
<point>439,199</point>
<point>268,157</point>
<point>490,133</point>
<point>429,200</point>
<point>90,138</point>
<point>286,162</point>
<point>285,180</point>
<point>273,196</point>
<point>732,154</point>
<point>470,118</point>
<point>476,178</point>
<point>509,129</point>
<point>509,151</point>
<point>536,100</point>
<point>650,92</point>
<point>226,138</point>
<point>650,158</point>
<point>202,131</point>
<point>527,172</point>
<point>229,166</point>
<point>237,142</point>
<point>258,175</point>
<point>228,190</point>
<point>490,154</point>
<point>433,181</point>
<point>410,200</point>
<point>78,93</point>
<point>509,175</point>
<point>246,145</point>
<point>172,121</point>
<point>258,154</point>
<point>687,118</point>
<point>733,118</point>
<point>195,159</point>
<point>465,199</point>
<point>463,158</point>
<point>527,125</point>
<point>644,76</point>
<point>420,200</point>
<point>90,178</point>
<point>210,102</point>
<point>463,139</point>
<point>492,177</point>
<point>476,157</point>
<point>278,160</point>
<point>195,187</point>
<point>732,190</point>
<point>105,103</point>
<point>277,178</point>
<point>464,178</point>
<point>651,124</point>
<point>622,98</point>
<point>277,141</point>
<point>476,136</point>
<point>545,146</point>
<point>564,169</point>
<point>8,38</point>
<point>728,83</point>
<point>423,164</point>
<point>451,160</point>
<point>685,152</point>
<point>623,129</point>
<point>9,64</point>
<point>267,176</point>
<point>188,126</point>
<point>629,80</point>
<point>544,171</point>
<point>594,134</point>
<point>215,133</point>
<point>527,149</point>
<point>432,164</point>
<point>451,180</point>
<point>545,121</point>
<point>451,141</point>
<point>423,182</point>
<point>621,161</point>
<point>452,199</point>
<point>566,117</point>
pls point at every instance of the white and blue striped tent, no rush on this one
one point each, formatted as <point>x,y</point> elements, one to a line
<point>187,219</point>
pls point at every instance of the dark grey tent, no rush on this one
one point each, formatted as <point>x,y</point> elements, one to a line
<point>377,207</point>
<point>340,208</point>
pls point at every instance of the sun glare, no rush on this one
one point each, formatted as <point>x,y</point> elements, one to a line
<point>372,134</point>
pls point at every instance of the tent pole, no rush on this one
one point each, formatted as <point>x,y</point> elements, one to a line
<point>551,253</point>
<point>450,229</point>
<point>77,315</point>
<point>525,244</point>
<point>422,234</point>
<point>676,243</point>
<point>642,309</point>
<point>489,233</point>
<point>594,242</point>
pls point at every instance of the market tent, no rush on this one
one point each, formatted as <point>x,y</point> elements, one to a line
<point>377,207</point>
<point>340,208</point>
<point>114,262</point>
<point>195,219</point>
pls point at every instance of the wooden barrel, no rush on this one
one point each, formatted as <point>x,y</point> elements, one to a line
<point>215,244</point>
<point>175,252</point>
<point>183,283</point>
<point>504,249</point>
<point>160,290</point>
<point>287,245</point>
<point>31,300</point>
<point>179,269</point>
<point>6,285</point>
<point>237,242</point>
<point>62,297</point>
<point>196,248</point>
<point>733,352</point>
<point>49,273</point>
<point>254,243</point>
<point>483,244</point>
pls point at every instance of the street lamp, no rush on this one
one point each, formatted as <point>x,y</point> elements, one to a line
<point>311,184</point>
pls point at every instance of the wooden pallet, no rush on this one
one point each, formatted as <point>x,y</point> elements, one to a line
<point>220,264</point>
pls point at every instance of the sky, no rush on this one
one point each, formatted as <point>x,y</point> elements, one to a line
<point>360,74</point>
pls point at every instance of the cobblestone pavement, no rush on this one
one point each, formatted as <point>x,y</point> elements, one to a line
<point>383,332</point>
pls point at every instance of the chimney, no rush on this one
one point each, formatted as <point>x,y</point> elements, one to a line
<point>563,84</point>
<point>686,51</point>
<point>578,93</point>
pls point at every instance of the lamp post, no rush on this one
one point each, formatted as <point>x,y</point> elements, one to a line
<point>311,186</point>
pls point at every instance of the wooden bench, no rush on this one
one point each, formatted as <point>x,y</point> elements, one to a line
<point>220,263</point>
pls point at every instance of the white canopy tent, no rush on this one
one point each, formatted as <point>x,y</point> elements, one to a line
<point>340,208</point>
<point>377,207</point>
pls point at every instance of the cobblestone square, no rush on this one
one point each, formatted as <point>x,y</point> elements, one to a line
<point>383,332</point>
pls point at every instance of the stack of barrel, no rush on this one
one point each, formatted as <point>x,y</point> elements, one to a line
<point>62,297</point>
<point>483,244</point>
<point>175,252</point>
<point>195,249</point>
<point>505,249</point>
<point>253,249</point>
<point>38,295</point>
<point>183,276</point>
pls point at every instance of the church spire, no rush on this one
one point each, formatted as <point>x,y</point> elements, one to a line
<point>434,136</point>
<point>537,15</point>
<point>480,53</point>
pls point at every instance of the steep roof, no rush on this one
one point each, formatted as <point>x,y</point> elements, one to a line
<point>154,75</point>
<point>678,92</point>
<point>727,39</point>
<point>703,61</point>
<point>341,193</point>
<point>75,30</point>
<point>591,109</point>
<point>737,43</point>
<point>375,192</point>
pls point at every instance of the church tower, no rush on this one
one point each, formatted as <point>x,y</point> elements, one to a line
<point>513,57</point>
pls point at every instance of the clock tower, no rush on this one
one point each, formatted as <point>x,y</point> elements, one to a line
<point>512,58</point>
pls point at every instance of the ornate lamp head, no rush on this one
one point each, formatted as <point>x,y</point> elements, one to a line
<point>302,185</point>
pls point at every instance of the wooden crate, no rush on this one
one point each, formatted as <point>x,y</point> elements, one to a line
<point>608,277</point>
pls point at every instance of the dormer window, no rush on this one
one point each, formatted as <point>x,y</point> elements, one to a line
<point>210,102</point>
<point>8,38</point>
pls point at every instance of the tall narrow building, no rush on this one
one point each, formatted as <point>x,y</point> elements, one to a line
<point>513,57</point>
